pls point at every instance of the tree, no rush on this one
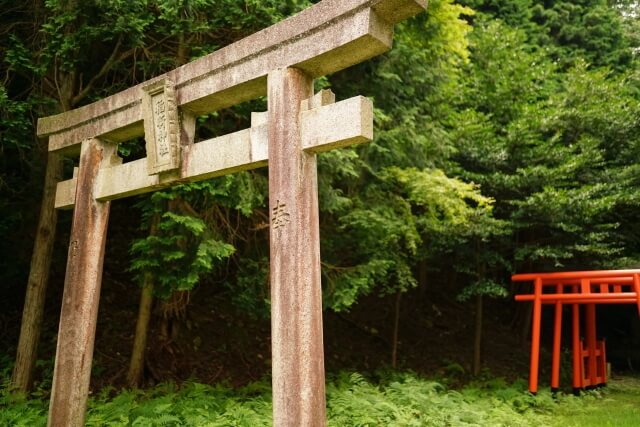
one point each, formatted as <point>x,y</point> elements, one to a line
<point>570,30</point>
<point>541,140</point>
<point>71,53</point>
<point>360,193</point>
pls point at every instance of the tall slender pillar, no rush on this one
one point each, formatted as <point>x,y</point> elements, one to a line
<point>636,289</point>
<point>576,346</point>
<point>557,340</point>
<point>296,300</point>
<point>76,334</point>
<point>590,338</point>
<point>535,335</point>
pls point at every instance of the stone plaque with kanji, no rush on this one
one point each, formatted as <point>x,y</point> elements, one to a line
<point>160,114</point>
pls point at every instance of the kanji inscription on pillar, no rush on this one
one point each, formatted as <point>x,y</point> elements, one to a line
<point>160,115</point>
<point>73,248</point>
<point>280,215</point>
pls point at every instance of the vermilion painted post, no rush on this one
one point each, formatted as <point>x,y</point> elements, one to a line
<point>603,361</point>
<point>590,319</point>
<point>585,286</point>
<point>636,289</point>
<point>296,300</point>
<point>557,338</point>
<point>535,336</point>
<point>76,334</point>
<point>576,347</point>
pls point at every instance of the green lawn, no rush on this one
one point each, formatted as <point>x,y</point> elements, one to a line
<point>618,405</point>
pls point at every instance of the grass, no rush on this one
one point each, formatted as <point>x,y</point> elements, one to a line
<point>618,405</point>
<point>388,399</point>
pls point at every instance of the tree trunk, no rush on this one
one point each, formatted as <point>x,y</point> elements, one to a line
<point>477,343</point>
<point>135,376</point>
<point>396,328</point>
<point>523,315</point>
<point>526,324</point>
<point>136,366</point>
<point>27,353</point>
<point>173,311</point>
<point>423,280</point>
<point>22,378</point>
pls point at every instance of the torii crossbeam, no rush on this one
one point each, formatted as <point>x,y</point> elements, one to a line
<point>281,62</point>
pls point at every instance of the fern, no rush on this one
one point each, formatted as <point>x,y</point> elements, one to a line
<point>16,410</point>
<point>112,412</point>
<point>393,399</point>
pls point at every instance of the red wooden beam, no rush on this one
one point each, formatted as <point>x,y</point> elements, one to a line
<point>608,298</point>
<point>595,274</point>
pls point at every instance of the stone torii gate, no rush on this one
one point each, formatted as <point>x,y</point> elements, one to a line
<point>280,61</point>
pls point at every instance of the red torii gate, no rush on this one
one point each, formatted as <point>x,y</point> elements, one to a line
<point>577,288</point>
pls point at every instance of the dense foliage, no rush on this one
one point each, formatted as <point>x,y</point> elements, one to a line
<point>398,399</point>
<point>352,400</point>
<point>507,139</point>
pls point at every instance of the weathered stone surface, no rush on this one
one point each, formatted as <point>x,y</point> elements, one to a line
<point>161,133</point>
<point>66,194</point>
<point>325,38</point>
<point>82,282</point>
<point>323,128</point>
<point>324,97</point>
<point>346,123</point>
<point>296,300</point>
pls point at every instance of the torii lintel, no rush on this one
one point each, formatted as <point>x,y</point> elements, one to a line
<point>327,37</point>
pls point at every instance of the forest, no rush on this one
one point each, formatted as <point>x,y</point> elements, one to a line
<point>506,140</point>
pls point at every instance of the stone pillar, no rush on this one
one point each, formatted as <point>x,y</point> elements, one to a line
<point>296,297</point>
<point>76,334</point>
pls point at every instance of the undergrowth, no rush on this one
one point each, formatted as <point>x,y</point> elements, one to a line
<point>390,399</point>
